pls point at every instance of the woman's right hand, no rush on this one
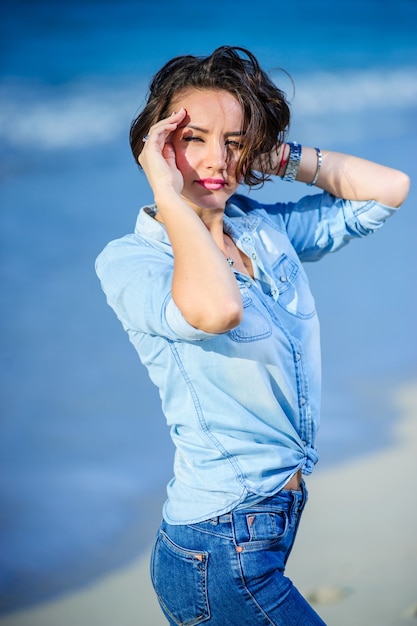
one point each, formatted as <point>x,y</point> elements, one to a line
<point>158,155</point>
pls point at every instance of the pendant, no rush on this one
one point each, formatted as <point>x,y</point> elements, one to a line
<point>230,261</point>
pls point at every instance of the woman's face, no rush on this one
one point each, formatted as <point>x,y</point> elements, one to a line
<point>207,146</point>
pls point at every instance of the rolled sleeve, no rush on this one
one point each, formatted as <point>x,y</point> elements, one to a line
<point>137,280</point>
<point>372,215</point>
<point>322,223</point>
<point>180,327</point>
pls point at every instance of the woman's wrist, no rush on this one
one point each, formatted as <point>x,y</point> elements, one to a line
<point>318,167</point>
<point>293,162</point>
<point>299,163</point>
<point>283,156</point>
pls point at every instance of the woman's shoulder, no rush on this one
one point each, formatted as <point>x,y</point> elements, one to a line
<point>239,204</point>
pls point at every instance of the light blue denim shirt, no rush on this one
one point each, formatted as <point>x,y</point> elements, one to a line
<point>243,406</point>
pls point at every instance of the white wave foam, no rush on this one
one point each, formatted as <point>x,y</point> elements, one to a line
<point>79,116</point>
<point>356,92</point>
<point>74,117</point>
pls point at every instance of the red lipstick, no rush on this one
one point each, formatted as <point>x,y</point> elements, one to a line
<point>212,184</point>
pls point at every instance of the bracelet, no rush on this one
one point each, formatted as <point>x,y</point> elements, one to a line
<point>293,162</point>
<point>319,162</point>
<point>283,162</point>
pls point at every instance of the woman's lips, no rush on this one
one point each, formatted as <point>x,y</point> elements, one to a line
<point>213,184</point>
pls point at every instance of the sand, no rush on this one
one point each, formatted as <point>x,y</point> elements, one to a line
<point>355,556</point>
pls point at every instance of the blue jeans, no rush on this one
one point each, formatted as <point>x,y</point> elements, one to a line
<point>230,569</point>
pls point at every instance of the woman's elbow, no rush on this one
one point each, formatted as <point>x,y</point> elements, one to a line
<point>404,187</point>
<point>216,319</point>
<point>396,189</point>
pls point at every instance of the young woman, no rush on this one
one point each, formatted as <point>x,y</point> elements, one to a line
<point>212,293</point>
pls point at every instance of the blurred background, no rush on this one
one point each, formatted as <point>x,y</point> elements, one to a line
<point>84,451</point>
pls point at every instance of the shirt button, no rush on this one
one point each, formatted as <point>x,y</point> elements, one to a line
<point>283,279</point>
<point>246,238</point>
<point>303,401</point>
<point>248,284</point>
<point>254,257</point>
<point>298,356</point>
<point>273,292</point>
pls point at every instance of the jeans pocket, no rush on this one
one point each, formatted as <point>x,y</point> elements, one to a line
<point>266,529</point>
<point>179,577</point>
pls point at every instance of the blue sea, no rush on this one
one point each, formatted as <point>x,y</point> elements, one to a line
<point>84,450</point>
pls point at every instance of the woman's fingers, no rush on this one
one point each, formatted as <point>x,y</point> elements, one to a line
<point>158,136</point>
<point>159,132</point>
<point>168,153</point>
<point>157,157</point>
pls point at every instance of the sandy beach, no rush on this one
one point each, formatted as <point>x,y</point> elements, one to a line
<point>355,557</point>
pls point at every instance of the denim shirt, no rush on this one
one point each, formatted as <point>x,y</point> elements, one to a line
<point>242,406</point>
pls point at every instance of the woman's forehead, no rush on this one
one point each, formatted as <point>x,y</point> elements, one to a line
<point>208,103</point>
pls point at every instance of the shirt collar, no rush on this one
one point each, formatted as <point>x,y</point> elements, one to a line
<point>236,221</point>
<point>147,225</point>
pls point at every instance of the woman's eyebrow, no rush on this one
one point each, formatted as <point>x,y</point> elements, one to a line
<point>198,128</point>
<point>204,130</point>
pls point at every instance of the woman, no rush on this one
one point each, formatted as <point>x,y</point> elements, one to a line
<point>211,290</point>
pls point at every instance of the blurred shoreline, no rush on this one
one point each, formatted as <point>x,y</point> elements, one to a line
<point>355,556</point>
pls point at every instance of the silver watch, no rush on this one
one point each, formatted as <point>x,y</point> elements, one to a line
<point>293,162</point>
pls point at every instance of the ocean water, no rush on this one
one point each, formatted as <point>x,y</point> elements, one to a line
<point>84,451</point>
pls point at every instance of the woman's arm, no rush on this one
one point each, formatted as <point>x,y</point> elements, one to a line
<point>203,286</point>
<point>348,177</point>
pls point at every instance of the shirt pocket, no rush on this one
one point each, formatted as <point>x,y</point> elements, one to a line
<point>254,324</point>
<point>294,292</point>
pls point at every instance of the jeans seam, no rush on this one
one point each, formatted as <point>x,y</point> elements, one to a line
<point>209,532</point>
<point>242,579</point>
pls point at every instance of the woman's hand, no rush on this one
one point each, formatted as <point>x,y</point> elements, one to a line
<point>158,156</point>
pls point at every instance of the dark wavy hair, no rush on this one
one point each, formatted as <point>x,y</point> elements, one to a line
<point>265,108</point>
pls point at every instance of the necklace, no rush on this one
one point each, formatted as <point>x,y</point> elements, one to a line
<point>229,259</point>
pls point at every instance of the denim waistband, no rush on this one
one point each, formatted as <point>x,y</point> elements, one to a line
<point>270,502</point>
<point>235,523</point>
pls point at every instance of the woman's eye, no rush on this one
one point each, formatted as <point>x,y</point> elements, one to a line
<point>192,138</point>
<point>234,144</point>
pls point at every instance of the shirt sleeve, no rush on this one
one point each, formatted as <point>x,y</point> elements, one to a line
<point>137,278</point>
<point>323,223</point>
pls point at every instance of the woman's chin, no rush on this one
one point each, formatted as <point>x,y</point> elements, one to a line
<point>212,200</point>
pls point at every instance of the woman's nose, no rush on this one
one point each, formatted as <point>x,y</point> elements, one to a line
<point>217,154</point>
